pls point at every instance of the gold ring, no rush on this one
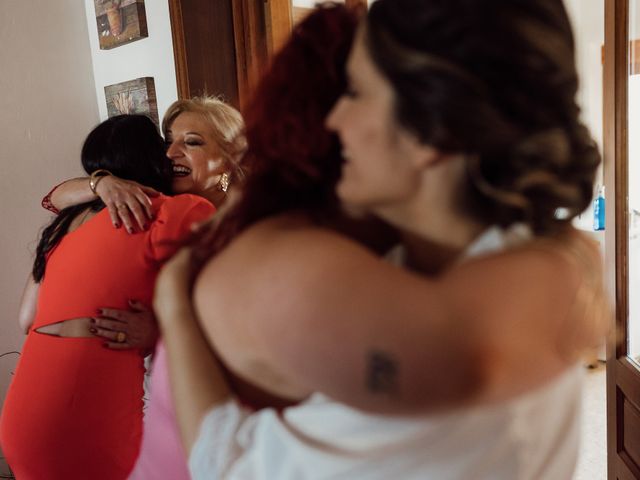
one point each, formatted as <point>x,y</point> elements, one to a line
<point>121,337</point>
<point>121,205</point>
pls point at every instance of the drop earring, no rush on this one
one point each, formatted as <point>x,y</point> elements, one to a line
<point>225,180</point>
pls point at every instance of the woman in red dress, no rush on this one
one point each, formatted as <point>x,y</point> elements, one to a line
<point>74,408</point>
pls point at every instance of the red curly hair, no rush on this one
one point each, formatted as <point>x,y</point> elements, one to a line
<point>293,161</point>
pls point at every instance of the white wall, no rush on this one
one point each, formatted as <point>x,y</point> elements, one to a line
<point>311,3</point>
<point>303,3</point>
<point>587,17</point>
<point>47,107</point>
<point>588,23</point>
<point>634,206</point>
<point>634,193</point>
<point>147,57</point>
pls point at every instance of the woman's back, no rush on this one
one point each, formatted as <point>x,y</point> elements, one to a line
<point>97,265</point>
<point>73,405</point>
<point>531,436</point>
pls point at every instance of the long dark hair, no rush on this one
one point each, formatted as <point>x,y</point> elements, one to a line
<point>130,147</point>
<point>293,161</point>
<point>495,80</point>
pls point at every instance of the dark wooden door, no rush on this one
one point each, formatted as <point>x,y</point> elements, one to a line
<point>621,237</point>
<point>221,47</point>
<point>204,48</point>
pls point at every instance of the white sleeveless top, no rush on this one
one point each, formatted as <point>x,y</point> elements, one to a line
<point>532,437</point>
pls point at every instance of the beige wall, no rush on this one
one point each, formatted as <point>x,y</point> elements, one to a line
<point>47,106</point>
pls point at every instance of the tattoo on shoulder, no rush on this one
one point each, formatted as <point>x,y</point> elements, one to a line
<point>382,372</point>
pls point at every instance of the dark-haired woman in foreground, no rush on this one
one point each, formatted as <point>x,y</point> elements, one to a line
<point>460,128</point>
<point>74,408</point>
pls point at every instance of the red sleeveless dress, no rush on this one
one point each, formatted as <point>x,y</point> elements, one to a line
<point>74,407</point>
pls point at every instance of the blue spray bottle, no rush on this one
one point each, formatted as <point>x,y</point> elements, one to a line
<point>598,209</point>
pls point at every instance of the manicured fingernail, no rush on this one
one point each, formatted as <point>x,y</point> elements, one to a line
<point>130,230</point>
<point>145,226</point>
<point>116,224</point>
<point>99,312</point>
<point>93,330</point>
<point>92,321</point>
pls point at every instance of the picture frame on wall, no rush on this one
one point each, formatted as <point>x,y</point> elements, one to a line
<point>120,22</point>
<point>133,97</point>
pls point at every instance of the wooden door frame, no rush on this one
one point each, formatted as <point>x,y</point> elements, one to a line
<point>179,48</point>
<point>622,374</point>
<point>279,21</point>
<point>251,45</point>
<point>270,24</point>
<point>204,48</point>
<point>247,34</point>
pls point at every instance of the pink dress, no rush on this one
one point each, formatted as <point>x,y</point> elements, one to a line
<point>161,453</point>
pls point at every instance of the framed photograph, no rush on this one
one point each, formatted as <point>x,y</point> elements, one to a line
<point>134,96</point>
<point>120,22</point>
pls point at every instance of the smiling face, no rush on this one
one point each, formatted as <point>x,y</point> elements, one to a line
<point>197,160</point>
<point>383,162</point>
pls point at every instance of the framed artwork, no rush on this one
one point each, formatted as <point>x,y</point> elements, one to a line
<point>120,22</point>
<point>133,96</point>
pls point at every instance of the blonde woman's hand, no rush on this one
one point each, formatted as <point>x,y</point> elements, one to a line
<point>128,202</point>
<point>125,329</point>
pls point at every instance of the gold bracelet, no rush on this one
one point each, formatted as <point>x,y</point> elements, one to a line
<point>95,178</point>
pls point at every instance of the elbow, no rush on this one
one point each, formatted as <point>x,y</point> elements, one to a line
<point>25,323</point>
<point>25,318</point>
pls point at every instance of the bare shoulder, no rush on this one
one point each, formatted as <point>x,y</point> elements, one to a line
<point>544,302</point>
<point>544,275</point>
<point>285,258</point>
<point>288,274</point>
<point>277,287</point>
<point>321,308</point>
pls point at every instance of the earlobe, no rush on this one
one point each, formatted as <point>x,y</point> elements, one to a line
<point>426,156</point>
